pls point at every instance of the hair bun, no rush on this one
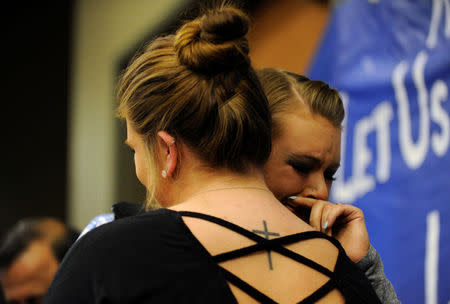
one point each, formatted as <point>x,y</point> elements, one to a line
<point>215,41</point>
<point>224,25</point>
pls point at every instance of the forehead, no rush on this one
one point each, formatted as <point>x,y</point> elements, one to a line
<point>303,132</point>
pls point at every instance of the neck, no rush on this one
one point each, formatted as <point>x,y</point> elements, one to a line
<point>197,182</point>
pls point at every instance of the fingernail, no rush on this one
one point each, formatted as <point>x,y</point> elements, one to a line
<point>292,197</point>
<point>325,225</point>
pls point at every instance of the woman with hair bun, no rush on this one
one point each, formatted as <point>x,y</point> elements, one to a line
<point>199,124</point>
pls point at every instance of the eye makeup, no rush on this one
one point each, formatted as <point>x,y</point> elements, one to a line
<point>305,164</point>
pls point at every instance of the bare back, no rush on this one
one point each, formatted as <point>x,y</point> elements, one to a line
<point>274,273</point>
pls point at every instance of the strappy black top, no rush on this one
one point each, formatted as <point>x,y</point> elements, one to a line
<point>154,258</point>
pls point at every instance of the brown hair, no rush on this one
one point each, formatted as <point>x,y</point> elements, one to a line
<point>281,88</point>
<point>198,85</point>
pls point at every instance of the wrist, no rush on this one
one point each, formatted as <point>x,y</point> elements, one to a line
<point>368,259</point>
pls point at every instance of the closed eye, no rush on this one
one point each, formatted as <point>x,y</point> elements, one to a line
<point>300,166</point>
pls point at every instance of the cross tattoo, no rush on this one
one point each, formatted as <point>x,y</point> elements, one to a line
<point>266,236</point>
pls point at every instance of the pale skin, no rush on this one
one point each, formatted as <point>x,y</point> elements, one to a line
<point>300,172</point>
<point>182,189</point>
<point>302,164</point>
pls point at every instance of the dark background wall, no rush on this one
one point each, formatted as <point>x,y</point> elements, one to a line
<point>35,45</point>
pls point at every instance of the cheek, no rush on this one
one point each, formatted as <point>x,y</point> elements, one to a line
<point>282,180</point>
<point>272,170</point>
<point>141,169</point>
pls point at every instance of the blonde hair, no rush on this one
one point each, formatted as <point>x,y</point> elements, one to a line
<point>198,85</point>
<point>281,87</point>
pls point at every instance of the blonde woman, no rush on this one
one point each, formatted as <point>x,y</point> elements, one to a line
<point>199,124</point>
<point>306,127</point>
<point>307,120</point>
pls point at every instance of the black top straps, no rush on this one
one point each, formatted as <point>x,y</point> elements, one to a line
<point>154,258</point>
<point>273,245</point>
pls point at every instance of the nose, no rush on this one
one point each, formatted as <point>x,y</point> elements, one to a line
<point>316,187</point>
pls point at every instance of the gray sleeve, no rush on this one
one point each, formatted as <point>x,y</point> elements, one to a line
<point>372,266</point>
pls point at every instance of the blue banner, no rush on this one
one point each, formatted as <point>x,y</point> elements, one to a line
<point>391,62</point>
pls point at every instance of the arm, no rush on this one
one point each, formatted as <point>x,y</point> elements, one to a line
<point>372,266</point>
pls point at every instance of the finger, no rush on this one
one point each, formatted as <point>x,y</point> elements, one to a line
<point>303,201</point>
<point>339,216</point>
<point>315,218</point>
<point>346,214</point>
<point>330,216</point>
<point>301,210</point>
<point>327,225</point>
<point>317,214</point>
<point>319,211</point>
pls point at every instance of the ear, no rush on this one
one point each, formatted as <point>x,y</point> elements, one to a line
<point>170,151</point>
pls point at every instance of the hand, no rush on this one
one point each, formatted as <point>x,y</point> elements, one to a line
<point>343,222</point>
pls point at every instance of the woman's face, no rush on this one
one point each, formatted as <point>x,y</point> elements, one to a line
<point>135,142</point>
<point>305,156</point>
